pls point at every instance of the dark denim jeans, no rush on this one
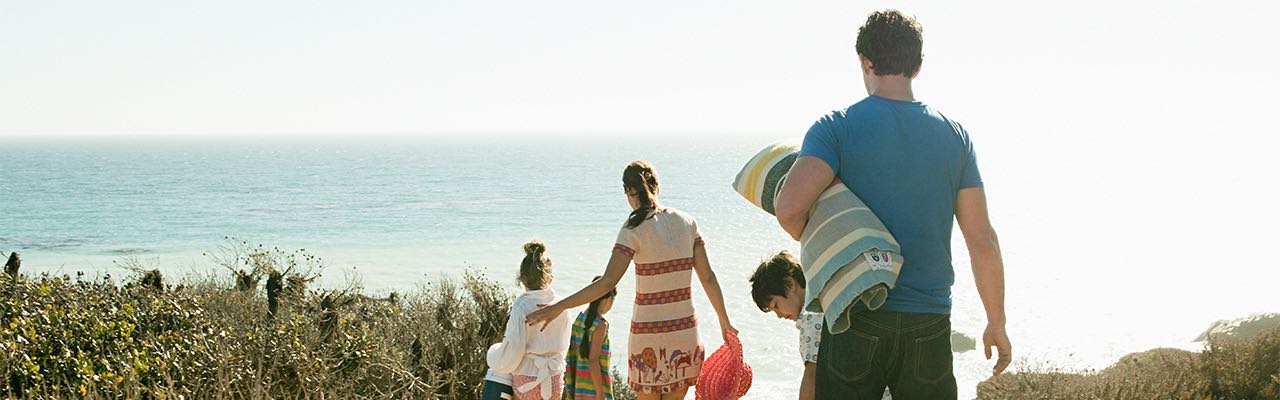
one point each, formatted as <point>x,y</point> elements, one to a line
<point>907,352</point>
<point>495,391</point>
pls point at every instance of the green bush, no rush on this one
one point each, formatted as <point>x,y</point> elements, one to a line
<point>74,337</point>
<point>621,390</point>
<point>64,337</point>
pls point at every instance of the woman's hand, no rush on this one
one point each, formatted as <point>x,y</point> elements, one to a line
<point>545,315</point>
<point>725,328</point>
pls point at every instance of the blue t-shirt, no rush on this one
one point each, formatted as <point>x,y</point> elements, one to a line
<point>906,161</point>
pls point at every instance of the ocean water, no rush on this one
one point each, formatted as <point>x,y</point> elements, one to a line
<point>399,211</point>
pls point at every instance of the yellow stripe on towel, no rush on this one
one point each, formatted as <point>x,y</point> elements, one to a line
<point>834,246</point>
<point>756,177</point>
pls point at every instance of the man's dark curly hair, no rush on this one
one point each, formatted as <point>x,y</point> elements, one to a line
<point>770,278</point>
<point>892,42</point>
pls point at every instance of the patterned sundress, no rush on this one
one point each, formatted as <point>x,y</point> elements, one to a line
<point>664,353</point>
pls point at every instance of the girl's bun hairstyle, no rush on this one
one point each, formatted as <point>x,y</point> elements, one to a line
<point>535,268</point>
<point>535,248</point>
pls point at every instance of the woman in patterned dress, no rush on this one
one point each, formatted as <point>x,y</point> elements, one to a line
<point>664,352</point>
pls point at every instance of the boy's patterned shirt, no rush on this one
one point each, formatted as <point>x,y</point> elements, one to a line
<point>810,326</point>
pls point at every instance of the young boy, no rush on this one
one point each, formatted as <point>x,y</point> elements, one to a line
<point>778,286</point>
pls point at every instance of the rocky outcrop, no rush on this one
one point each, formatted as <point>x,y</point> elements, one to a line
<point>1242,328</point>
<point>11,267</point>
<point>961,343</point>
<point>1151,360</point>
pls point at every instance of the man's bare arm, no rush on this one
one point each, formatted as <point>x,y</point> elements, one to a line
<point>988,270</point>
<point>809,176</point>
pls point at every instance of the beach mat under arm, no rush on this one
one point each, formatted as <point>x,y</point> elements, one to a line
<point>846,252</point>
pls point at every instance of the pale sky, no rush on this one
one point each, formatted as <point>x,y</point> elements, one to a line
<point>1012,67</point>
<point>1137,101</point>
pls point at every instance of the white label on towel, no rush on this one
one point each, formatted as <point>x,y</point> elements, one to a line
<point>879,260</point>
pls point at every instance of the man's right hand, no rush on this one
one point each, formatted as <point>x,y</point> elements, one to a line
<point>997,337</point>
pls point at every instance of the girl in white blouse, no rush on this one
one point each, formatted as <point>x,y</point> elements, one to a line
<point>534,358</point>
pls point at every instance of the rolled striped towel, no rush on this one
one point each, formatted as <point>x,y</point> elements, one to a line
<point>846,253</point>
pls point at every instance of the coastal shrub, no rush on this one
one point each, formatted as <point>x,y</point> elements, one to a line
<point>621,390</point>
<point>1243,368</point>
<point>1228,368</point>
<point>78,337</point>
<point>143,338</point>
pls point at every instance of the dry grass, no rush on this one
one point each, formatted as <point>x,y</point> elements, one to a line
<point>75,337</point>
<point>1228,368</point>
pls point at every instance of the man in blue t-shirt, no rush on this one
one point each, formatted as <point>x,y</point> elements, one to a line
<point>915,168</point>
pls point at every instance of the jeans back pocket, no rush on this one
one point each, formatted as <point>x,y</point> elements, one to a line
<point>851,354</point>
<point>933,355</point>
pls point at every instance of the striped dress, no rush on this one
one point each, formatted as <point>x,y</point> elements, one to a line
<point>577,374</point>
<point>664,353</point>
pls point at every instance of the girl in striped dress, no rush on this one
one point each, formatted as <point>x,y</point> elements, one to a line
<point>664,352</point>
<point>587,373</point>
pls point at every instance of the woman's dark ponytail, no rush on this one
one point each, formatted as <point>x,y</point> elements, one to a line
<point>640,178</point>
<point>593,312</point>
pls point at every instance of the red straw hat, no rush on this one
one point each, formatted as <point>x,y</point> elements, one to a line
<point>724,376</point>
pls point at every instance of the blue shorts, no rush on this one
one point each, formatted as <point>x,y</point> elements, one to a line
<point>497,391</point>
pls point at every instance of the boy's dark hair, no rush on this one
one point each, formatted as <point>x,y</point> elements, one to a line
<point>892,42</point>
<point>770,278</point>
